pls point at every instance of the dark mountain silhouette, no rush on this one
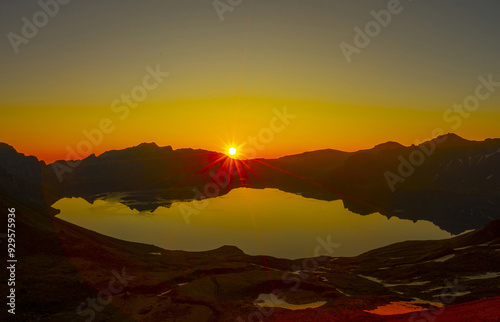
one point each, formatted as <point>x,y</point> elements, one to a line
<point>388,145</point>
<point>21,178</point>
<point>456,183</point>
<point>450,181</point>
<point>456,187</point>
<point>450,140</point>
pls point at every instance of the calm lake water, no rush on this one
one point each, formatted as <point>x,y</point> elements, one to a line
<point>266,221</point>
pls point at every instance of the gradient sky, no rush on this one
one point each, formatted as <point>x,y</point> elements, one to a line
<point>226,77</point>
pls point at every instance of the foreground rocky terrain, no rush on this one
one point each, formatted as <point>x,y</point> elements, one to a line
<point>67,273</point>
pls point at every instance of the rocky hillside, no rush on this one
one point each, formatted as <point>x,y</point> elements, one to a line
<point>64,266</point>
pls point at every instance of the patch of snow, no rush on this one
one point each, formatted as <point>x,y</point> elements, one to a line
<point>462,248</point>
<point>373,279</point>
<point>489,155</point>
<point>483,276</point>
<point>453,294</point>
<point>164,293</point>
<point>420,301</point>
<point>269,268</point>
<point>408,284</point>
<point>376,280</point>
<point>444,258</point>
<point>157,254</point>
<point>271,300</point>
<point>342,292</point>
<point>296,272</point>
<point>433,289</point>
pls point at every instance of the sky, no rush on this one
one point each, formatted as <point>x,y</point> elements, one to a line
<point>99,75</point>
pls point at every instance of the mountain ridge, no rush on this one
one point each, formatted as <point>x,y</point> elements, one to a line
<point>455,187</point>
<point>144,146</point>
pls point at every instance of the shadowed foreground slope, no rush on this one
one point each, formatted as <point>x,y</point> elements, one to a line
<point>62,266</point>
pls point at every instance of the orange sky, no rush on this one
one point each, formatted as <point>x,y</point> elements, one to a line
<point>351,129</point>
<point>175,74</point>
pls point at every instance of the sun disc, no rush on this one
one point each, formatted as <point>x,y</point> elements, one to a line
<point>232,151</point>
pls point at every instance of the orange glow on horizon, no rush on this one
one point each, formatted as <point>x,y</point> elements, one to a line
<point>348,131</point>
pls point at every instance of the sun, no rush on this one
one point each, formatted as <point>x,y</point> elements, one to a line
<point>232,151</point>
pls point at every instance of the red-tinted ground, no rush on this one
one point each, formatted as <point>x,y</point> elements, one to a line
<point>480,310</point>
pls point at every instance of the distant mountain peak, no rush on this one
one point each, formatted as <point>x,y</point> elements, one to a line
<point>9,151</point>
<point>6,147</point>
<point>450,139</point>
<point>144,144</point>
<point>143,149</point>
<point>388,145</point>
<point>149,147</point>
<point>452,136</point>
<point>226,249</point>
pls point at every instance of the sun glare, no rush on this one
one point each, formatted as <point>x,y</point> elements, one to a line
<point>232,151</point>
